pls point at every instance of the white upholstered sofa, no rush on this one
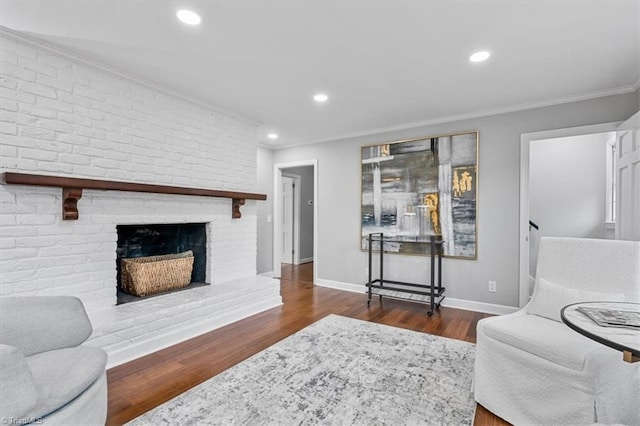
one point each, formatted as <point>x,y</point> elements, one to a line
<point>532,369</point>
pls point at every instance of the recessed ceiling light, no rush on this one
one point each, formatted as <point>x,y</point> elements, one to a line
<point>272,136</point>
<point>188,17</point>
<point>480,56</point>
<point>320,97</point>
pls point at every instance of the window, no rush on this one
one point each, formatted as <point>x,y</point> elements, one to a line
<point>610,214</point>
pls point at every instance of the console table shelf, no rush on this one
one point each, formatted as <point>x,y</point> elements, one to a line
<point>72,190</point>
<point>431,294</point>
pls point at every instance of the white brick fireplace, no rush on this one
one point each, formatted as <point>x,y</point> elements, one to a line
<point>63,116</point>
<point>42,254</point>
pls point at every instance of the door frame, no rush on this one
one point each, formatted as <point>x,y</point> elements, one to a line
<point>630,159</point>
<point>296,216</point>
<point>525,141</point>
<point>277,219</point>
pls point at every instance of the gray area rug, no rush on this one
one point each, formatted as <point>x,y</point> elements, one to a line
<point>337,371</point>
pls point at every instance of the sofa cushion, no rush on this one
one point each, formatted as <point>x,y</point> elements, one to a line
<point>550,340</point>
<point>18,392</point>
<point>63,374</point>
<point>549,298</point>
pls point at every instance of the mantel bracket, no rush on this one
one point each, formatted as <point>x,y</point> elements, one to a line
<point>70,197</point>
<point>236,203</point>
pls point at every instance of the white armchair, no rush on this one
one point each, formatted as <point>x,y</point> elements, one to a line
<point>46,375</point>
<point>531,368</point>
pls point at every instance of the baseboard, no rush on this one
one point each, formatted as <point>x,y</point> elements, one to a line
<point>137,349</point>
<point>354,288</point>
<point>471,305</point>
<point>269,274</point>
<point>305,260</point>
<point>467,305</point>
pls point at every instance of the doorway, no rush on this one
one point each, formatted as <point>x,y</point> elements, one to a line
<point>295,211</point>
<point>571,189</point>
<point>530,230</point>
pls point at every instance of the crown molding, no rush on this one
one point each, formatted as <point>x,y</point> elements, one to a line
<point>473,115</point>
<point>265,146</point>
<point>84,60</point>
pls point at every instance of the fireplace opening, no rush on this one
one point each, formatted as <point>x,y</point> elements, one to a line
<point>171,243</point>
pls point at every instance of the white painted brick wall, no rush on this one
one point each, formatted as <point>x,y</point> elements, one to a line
<point>62,117</point>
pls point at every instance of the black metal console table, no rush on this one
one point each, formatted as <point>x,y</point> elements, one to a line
<point>431,294</point>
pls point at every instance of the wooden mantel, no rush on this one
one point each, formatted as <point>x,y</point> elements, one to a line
<point>72,190</point>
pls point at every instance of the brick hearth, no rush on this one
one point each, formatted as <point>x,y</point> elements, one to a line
<point>129,331</point>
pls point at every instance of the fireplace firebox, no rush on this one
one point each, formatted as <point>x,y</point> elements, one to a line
<point>162,239</point>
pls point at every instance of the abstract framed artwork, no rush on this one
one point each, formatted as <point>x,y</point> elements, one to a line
<point>414,189</point>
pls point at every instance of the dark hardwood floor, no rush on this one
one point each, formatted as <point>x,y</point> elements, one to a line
<point>147,382</point>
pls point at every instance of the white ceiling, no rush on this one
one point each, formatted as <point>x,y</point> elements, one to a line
<point>384,64</point>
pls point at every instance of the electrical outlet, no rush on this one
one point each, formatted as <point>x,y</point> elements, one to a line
<point>492,286</point>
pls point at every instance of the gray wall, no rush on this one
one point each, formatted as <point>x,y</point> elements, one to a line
<point>265,211</point>
<point>339,257</point>
<point>306,210</point>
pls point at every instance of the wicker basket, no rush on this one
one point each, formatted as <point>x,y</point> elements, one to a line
<point>143,276</point>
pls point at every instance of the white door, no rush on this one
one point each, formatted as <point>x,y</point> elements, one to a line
<point>628,179</point>
<point>288,203</point>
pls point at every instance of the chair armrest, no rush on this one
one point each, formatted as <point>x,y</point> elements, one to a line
<point>18,393</point>
<point>43,323</point>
